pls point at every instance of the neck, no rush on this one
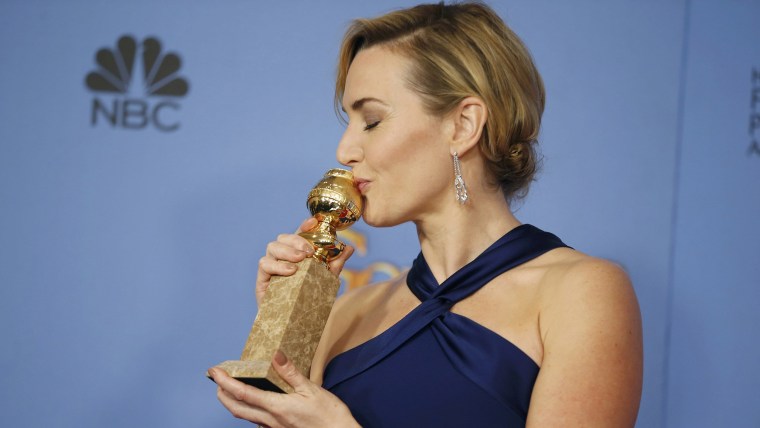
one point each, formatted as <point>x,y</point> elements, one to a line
<point>455,236</point>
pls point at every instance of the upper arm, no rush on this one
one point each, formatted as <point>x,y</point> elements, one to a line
<point>591,373</point>
<point>346,309</point>
<point>329,336</point>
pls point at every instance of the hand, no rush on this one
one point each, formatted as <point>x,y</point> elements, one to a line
<point>308,406</point>
<point>288,249</point>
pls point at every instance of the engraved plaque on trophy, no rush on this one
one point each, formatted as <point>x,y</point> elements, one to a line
<point>295,308</point>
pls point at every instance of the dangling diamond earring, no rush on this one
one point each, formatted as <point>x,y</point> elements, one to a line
<point>461,190</point>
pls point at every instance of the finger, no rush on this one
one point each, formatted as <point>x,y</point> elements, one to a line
<point>289,372</point>
<point>238,390</point>
<point>262,283</point>
<point>287,251</point>
<point>261,289</point>
<point>296,241</point>
<point>242,410</point>
<point>308,224</point>
<point>336,265</point>
<point>269,267</point>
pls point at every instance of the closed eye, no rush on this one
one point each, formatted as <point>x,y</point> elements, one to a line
<point>371,125</point>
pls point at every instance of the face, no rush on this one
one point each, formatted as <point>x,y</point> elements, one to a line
<point>398,152</point>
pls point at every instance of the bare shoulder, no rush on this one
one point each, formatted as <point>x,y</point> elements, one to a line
<point>350,298</point>
<point>579,291</point>
<point>590,327</point>
<point>355,303</point>
<point>587,271</point>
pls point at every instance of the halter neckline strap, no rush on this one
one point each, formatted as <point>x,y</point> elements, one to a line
<point>518,246</point>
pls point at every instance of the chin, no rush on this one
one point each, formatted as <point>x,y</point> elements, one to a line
<point>387,213</point>
<point>371,219</point>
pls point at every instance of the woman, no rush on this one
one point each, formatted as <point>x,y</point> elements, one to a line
<point>497,323</point>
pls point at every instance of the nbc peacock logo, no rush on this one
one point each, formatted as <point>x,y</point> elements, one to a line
<point>121,101</point>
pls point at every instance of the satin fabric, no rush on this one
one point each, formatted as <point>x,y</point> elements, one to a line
<point>435,368</point>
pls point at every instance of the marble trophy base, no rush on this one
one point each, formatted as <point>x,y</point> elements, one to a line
<point>291,318</point>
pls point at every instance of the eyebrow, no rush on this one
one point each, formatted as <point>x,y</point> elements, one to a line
<point>356,105</point>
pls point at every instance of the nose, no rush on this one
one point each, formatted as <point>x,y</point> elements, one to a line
<point>349,152</point>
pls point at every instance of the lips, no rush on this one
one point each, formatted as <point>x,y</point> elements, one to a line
<point>361,184</point>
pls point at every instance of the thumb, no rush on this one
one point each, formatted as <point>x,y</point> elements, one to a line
<point>289,372</point>
<point>306,225</point>
<point>336,265</point>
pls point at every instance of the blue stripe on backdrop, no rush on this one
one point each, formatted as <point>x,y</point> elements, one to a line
<point>129,250</point>
<point>674,210</point>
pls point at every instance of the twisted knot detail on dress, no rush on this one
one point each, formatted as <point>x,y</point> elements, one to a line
<point>432,359</point>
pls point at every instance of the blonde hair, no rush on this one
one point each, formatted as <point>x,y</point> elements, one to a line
<point>457,51</point>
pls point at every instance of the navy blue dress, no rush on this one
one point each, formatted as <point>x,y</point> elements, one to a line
<point>435,368</point>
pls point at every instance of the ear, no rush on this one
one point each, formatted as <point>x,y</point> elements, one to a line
<point>469,119</point>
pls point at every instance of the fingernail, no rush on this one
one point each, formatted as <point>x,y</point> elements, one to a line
<point>280,358</point>
<point>211,372</point>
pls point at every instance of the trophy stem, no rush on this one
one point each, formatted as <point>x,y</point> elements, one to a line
<point>324,240</point>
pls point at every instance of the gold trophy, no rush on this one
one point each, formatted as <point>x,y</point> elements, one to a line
<point>295,308</point>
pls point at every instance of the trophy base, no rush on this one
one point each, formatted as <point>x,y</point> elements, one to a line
<point>291,319</point>
<point>260,374</point>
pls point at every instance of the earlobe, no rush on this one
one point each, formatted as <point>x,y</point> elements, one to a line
<point>469,120</point>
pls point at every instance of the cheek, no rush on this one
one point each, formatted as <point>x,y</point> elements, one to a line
<point>428,152</point>
<point>421,143</point>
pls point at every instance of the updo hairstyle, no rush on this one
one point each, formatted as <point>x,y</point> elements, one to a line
<point>457,51</point>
